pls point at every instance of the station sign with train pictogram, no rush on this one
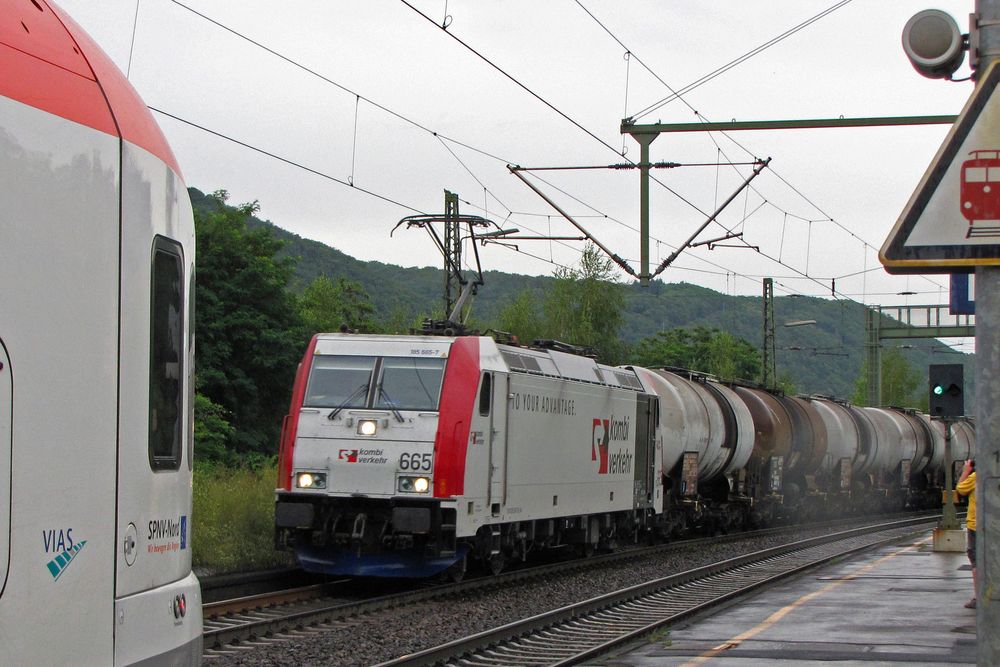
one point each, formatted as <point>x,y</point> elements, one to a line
<point>952,221</point>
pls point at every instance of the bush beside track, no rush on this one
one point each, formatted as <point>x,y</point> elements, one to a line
<point>233,519</point>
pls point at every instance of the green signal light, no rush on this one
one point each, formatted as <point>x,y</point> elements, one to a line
<point>938,390</point>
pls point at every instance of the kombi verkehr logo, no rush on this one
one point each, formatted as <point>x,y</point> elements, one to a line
<point>59,564</point>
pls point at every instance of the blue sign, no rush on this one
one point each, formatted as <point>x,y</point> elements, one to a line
<point>963,294</point>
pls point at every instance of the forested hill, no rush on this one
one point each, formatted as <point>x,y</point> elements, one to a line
<point>825,358</point>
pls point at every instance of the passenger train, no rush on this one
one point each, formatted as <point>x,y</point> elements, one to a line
<point>411,455</point>
<point>96,361</point>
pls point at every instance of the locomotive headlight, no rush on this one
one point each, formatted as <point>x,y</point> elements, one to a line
<point>413,485</point>
<point>311,480</point>
<point>367,427</point>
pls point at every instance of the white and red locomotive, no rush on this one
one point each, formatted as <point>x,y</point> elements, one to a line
<point>402,455</point>
<point>409,455</point>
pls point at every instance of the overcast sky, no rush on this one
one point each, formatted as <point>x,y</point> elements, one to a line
<point>848,63</point>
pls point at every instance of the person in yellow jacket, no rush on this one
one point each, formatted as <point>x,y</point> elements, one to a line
<point>967,487</point>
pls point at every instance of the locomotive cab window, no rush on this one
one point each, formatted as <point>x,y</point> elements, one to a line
<point>378,383</point>
<point>339,382</point>
<point>409,383</point>
<point>166,355</point>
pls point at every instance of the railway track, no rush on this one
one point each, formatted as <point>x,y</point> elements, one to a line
<point>241,623</point>
<point>595,627</point>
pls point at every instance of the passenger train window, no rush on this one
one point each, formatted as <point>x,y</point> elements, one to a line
<point>486,395</point>
<point>166,360</point>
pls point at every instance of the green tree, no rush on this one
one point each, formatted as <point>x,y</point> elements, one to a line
<point>522,317</point>
<point>326,305</point>
<point>901,383</point>
<point>700,349</point>
<point>584,306</point>
<point>212,430</point>
<point>247,327</point>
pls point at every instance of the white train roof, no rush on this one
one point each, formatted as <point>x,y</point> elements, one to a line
<point>493,357</point>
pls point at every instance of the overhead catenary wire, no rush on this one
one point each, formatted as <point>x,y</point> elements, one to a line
<point>551,106</point>
<point>445,140</point>
<point>402,117</point>
<point>826,217</point>
<point>275,156</point>
<point>633,165</point>
<point>679,95</point>
<point>131,46</point>
<point>316,172</point>
<point>737,61</point>
<point>330,81</point>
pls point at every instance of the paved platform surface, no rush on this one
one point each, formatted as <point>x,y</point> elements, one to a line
<point>897,605</point>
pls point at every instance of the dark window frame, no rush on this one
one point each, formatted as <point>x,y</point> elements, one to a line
<point>166,348</point>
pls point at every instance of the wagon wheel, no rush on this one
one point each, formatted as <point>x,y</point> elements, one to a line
<point>456,572</point>
<point>496,563</point>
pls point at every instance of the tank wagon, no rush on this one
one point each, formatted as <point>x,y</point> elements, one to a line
<point>95,361</point>
<point>409,456</point>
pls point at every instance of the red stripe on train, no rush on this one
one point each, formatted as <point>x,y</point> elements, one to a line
<point>458,397</point>
<point>290,425</point>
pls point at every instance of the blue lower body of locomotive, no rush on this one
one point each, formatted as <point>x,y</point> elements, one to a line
<point>348,563</point>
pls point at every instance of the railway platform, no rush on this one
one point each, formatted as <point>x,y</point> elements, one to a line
<point>901,604</point>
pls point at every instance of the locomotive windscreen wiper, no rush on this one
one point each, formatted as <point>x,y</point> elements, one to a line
<point>362,389</point>
<point>390,403</point>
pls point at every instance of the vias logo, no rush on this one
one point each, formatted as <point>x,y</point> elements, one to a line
<point>61,543</point>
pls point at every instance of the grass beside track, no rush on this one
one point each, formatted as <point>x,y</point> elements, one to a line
<point>233,519</point>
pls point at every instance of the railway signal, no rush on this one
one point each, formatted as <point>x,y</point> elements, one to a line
<point>946,395</point>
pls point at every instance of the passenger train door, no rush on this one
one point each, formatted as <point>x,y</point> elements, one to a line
<point>499,390</point>
<point>154,457</point>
